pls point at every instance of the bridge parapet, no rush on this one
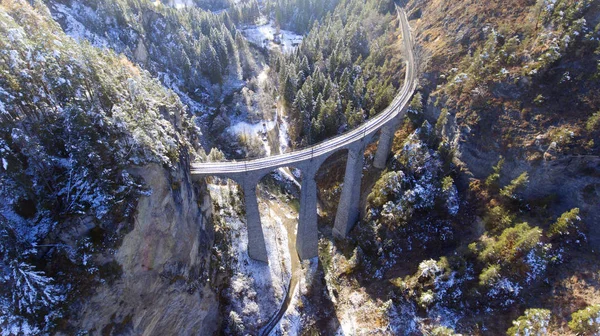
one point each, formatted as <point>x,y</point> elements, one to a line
<point>249,173</point>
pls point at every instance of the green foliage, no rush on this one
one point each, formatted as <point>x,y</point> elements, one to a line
<point>593,122</point>
<point>494,178</point>
<point>415,109</point>
<point>385,189</point>
<point>562,136</point>
<point>586,321</point>
<point>416,104</point>
<point>489,275</point>
<point>539,100</point>
<point>193,45</point>
<point>565,224</point>
<point>340,74</point>
<point>533,323</point>
<point>447,183</point>
<point>427,298</point>
<point>515,185</point>
<point>441,121</point>
<point>512,245</point>
<point>498,218</point>
<point>215,155</point>
<point>443,331</point>
<point>73,121</point>
<point>299,16</point>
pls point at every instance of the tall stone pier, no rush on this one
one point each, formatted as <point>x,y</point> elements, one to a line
<point>384,146</point>
<point>307,239</point>
<point>309,160</point>
<point>348,209</point>
<point>257,249</point>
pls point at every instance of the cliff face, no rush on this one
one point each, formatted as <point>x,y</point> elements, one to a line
<point>497,87</point>
<point>165,259</point>
<point>570,180</point>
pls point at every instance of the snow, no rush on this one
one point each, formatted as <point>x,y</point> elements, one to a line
<point>428,268</point>
<point>290,323</point>
<point>74,28</point>
<point>284,136</point>
<point>257,289</point>
<point>264,35</point>
<point>243,127</point>
<point>177,3</point>
<point>461,78</point>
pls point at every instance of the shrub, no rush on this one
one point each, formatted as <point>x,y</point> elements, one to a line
<point>385,189</point>
<point>586,321</point>
<point>593,123</point>
<point>441,121</point>
<point>492,180</point>
<point>565,224</point>
<point>415,109</point>
<point>513,244</point>
<point>427,298</point>
<point>562,136</point>
<point>443,331</point>
<point>489,275</point>
<point>533,323</point>
<point>516,184</point>
<point>498,218</point>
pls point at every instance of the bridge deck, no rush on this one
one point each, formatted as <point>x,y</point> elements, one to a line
<point>332,145</point>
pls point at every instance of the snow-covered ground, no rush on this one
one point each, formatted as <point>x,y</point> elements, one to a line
<point>260,130</point>
<point>243,127</point>
<point>290,324</point>
<point>177,3</point>
<point>264,36</point>
<point>257,289</point>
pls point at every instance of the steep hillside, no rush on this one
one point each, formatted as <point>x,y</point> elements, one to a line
<point>191,45</point>
<point>74,121</point>
<point>518,80</point>
<point>346,70</point>
<point>486,218</point>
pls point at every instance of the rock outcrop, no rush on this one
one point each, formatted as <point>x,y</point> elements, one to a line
<point>165,259</point>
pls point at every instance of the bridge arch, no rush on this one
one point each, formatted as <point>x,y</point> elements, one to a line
<point>309,160</point>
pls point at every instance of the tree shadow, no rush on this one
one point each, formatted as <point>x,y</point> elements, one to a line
<point>321,305</point>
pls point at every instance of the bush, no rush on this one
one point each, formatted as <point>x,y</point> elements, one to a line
<point>534,323</point>
<point>489,275</point>
<point>512,245</point>
<point>492,180</point>
<point>516,184</point>
<point>441,121</point>
<point>593,123</point>
<point>586,321</point>
<point>443,331</point>
<point>498,218</point>
<point>385,189</point>
<point>565,224</point>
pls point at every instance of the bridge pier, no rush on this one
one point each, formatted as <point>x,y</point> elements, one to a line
<point>307,238</point>
<point>257,249</point>
<point>384,146</point>
<point>348,210</point>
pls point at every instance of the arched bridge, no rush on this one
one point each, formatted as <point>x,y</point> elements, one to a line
<point>249,173</point>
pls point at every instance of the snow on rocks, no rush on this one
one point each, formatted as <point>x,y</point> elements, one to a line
<point>256,289</point>
<point>268,36</point>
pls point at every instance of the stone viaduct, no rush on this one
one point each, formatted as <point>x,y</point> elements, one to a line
<point>249,173</point>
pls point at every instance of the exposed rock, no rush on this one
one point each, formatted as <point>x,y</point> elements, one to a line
<point>574,180</point>
<point>165,285</point>
<point>141,53</point>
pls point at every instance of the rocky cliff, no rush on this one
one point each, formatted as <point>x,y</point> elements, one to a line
<point>517,80</point>
<point>165,283</point>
